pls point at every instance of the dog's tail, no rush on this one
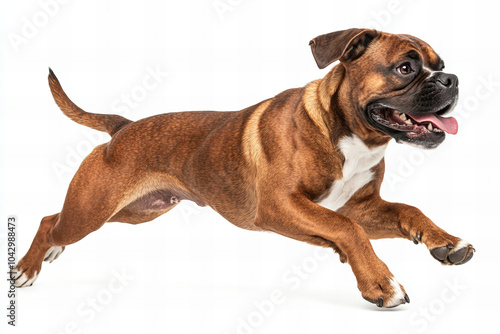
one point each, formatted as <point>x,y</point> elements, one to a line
<point>107,123</point>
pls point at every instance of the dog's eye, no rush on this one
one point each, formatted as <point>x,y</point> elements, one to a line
<point>405,69</point>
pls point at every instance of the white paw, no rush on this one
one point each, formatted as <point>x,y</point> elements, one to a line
<point>399,297</point>
<point>53,253</point>
<point>22,279</point>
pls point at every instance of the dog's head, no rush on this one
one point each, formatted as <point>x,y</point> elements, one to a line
<point>396,83</point>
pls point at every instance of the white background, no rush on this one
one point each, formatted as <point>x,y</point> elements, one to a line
<point>191,271</point>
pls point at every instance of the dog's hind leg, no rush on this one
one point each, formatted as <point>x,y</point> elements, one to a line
<point>96,193</point>
<point>28,268</point>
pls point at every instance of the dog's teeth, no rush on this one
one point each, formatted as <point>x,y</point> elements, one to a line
<point>408,121</point>
<point>402,116</point>
<point>429,127</point>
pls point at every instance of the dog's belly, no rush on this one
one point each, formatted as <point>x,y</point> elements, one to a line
<point>356,172</point>
<point>155,201</point>
<point>151,205</point>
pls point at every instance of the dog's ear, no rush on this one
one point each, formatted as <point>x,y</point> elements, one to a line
<point>344,45</point>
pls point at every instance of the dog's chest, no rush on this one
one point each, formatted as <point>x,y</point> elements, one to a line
<point>356,172</point>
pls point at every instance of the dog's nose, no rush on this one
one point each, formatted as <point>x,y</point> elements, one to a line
<point>447,80</point>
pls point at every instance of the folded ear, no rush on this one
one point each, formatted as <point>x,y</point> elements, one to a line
<point>344,45</point>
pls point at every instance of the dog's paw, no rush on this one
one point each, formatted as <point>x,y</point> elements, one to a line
<point>451,254</point>
<point>387,293</point>
<point>23,277</point>
<point>53,253</point>
<point>444,247</point>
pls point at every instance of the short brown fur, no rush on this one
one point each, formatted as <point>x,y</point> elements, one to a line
<point>262,168</point>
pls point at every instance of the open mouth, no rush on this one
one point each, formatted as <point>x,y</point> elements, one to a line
<point>415,125</point>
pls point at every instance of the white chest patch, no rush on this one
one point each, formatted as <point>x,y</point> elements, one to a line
<point>359,159</point>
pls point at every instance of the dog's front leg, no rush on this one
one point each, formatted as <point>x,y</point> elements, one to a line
<point>299,218</point>
<point>382,219</point>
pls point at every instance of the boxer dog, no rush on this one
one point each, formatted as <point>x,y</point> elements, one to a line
<point>307,163</point>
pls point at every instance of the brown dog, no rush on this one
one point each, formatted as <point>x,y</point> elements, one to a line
<point>307,163</point>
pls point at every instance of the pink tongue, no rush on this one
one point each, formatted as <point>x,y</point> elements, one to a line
<point>447,124</point>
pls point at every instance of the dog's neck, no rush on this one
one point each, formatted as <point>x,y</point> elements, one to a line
<point>335,113</point>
